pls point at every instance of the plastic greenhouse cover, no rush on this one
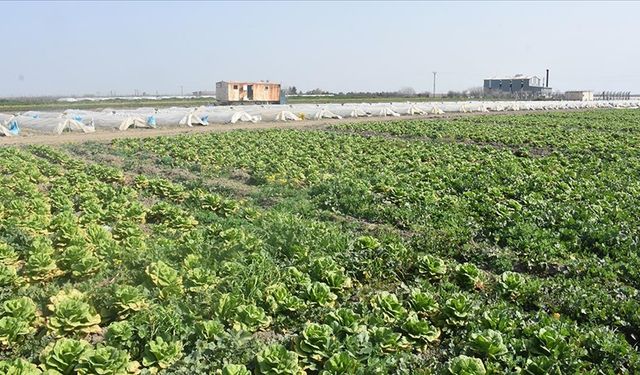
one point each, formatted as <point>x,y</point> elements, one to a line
<point>431,108</point>
<point>180,116</point>
<point>383,110</point>
<point>313,112</point>
<point>407,109</point>
<point>51,125</point>
<point>274,115</point>
<point>225,115</point>
<point>4,118</point>
<point>120,121</point>
<point>85,121</point>
<point>8,125</point>
<point>348,111</point>
<point>38,114</point>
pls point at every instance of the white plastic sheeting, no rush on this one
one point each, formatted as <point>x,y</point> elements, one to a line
<point>348,110</point>
<point>382,110</point>
<point>38,114</point>
<point>54,125</point>
<point>313,112</point>
<point>225,115</point>
<point>408,109</point>
<point>140,118</point>
<point>430,108</point>
<point>122,119</point>
<point>8,125</point>
<point>111,120</point>
<point>179,116</point>
<point>273,114</point>
<point>147,114</point>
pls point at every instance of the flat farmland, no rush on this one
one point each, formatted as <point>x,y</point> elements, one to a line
<point>491,244</point>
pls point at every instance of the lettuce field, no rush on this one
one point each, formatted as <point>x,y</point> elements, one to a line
<point>503,244</point>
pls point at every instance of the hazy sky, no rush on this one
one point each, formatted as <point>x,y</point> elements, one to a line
<point>67,48</point>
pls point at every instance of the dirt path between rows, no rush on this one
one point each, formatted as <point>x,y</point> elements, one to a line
<point>102,135</point>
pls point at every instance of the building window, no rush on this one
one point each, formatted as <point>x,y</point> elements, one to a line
<point>235,87</point>
<point>266,87</point>
<point>522,84</point>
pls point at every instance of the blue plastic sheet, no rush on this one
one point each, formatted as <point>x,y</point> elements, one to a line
<point>13,127</point>
<point>151,121</point>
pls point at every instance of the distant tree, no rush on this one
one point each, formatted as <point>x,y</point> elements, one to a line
<point>407,91</point>
<point>475,92</point>
<point>316,92</point>
<point>291,90</point>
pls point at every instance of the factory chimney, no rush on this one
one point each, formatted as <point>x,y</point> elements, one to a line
<point>547,77</point>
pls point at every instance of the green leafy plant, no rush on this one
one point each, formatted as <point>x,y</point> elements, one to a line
<point>66,229</point>
<point>501,318</point>
<point>542,366</point>
<point>432,267</point>
<point>423,303</point>
<point>79,261</point>
<point>231,369</point>
<point>210,330</point>
<point>106,360</point>
<point>551,196</point>
<point>279,299</point>
<point>128,300</point>
<point>172,217</point>
<point>341,363</point>
<point>277,360</point>
<point>469,276</point>
<point>63,355</point>
<point>458,309</point>
<point>463,365</point>
<point>120,334</point>
<point>548,341</point>
<point>387,340</point>
<point>8,276</point>
<point>160,354</point>
<point>511,284</point>
<point>72,315</point>
<point>605,345</point>
<point>388,307</point>
<point>316,344</point>
<point>345,321</point>
<point>420,330</point>
<point>200,280</point>
<point>40,266</point>
<point>488,344</point>
<point>295,277</point>
<point>164,278</point>
<point>8,255</point>
<point>22,308</point>
<point>13,330</point>
<point>321,294</point>
<point>18,366</point>
<point>326,270</point>
<point>251,318</point>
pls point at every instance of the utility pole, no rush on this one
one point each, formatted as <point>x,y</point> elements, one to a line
<point>434,83</point>
<point>181,90</point>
